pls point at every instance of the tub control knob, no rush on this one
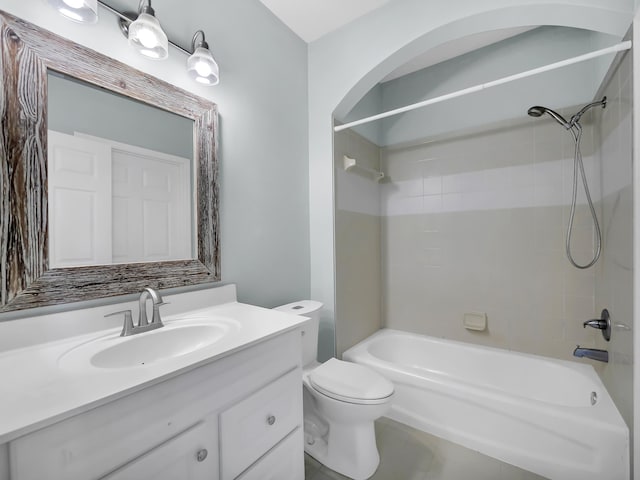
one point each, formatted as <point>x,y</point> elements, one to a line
<point>271,419</point>
<point>603,323</point>
<point>202,455</point>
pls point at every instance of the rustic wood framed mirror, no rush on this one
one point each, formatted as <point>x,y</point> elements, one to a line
<point>28,55</point>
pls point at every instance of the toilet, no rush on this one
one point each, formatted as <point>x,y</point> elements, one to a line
<point>341,401</point>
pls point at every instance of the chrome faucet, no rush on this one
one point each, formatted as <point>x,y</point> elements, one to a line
<point>143,324</point>
<point>592,353</point>
<point>142,305</point>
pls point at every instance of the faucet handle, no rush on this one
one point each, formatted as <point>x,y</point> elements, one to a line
<point>127,327</point>
<point>603,323</point>
<point>595,323</point>
<point>156,313</point>
<point>127,313</point>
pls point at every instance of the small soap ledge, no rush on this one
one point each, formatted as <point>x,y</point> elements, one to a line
<point>476,321</point>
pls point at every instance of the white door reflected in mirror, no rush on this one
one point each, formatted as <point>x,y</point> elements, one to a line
<point>111,202</point>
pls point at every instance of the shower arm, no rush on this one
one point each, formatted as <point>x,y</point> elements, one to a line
<point>576,118</point>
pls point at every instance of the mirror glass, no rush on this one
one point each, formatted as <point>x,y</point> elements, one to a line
<point>120,178</point>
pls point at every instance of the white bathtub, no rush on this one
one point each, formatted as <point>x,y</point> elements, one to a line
<point>530,411</point>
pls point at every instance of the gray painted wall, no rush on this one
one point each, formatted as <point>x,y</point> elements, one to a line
<point>79,107</point>
<point>263,148</point>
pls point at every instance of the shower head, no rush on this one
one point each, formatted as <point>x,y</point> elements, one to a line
<point>538,111</point>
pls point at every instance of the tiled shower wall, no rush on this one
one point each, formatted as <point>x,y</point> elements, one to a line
<point>476,224</point>
<point>358,257</point>
<point>614,272</point>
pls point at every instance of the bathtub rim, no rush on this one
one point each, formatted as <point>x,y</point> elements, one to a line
<point>606,408</point>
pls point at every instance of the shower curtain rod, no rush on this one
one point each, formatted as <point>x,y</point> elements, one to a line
<point>553,66</point>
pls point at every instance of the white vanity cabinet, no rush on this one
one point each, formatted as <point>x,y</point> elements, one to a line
<point>257,423</point>
<point>184,457</point>
<point>280,463</point>
<point>237,417</point>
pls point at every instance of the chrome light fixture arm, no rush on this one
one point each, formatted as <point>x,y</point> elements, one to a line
<point>202,43</point>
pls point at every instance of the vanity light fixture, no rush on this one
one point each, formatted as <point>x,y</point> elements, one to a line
<point>146,34</point>
<point>201,66</point>
<point>83,11</point>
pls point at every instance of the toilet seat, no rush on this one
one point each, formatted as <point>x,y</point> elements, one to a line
<point>350,382</point>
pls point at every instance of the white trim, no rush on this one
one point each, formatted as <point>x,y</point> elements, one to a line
<point>477,88</point>
<point>134,149</point>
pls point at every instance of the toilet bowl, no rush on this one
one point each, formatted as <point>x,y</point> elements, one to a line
<point>341,401</point>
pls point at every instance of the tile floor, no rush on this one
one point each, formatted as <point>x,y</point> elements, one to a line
<point>409,454</point>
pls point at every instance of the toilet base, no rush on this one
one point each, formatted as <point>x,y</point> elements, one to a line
<point>349,450</point>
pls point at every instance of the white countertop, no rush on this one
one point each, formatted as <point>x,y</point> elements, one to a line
<point>37,390</point>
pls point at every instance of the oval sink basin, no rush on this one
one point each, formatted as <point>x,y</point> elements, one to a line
<point>149,347</point>
<point>171,341</point>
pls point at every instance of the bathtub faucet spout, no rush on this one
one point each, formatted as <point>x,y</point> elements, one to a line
<point>592,353</point>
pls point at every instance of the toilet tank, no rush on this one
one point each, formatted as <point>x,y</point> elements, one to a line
<point>311,309</point>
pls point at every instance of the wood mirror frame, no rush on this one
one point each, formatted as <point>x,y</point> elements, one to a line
<point>27,53</point>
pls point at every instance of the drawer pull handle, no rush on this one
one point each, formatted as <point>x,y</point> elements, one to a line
<point>202,455</point>
<point>271,419</point>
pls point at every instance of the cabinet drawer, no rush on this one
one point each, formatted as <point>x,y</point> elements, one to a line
<point>284,462</point>
<point>191,455</point>
<point>254,425</point>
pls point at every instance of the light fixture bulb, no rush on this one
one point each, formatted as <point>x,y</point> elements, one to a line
<point>147,37</point>
<point>201,66</point>
<point>203,69</point>
<point>82,11</point>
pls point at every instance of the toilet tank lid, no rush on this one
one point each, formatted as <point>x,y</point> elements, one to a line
<point>350,380</point>
<point>302,307</point>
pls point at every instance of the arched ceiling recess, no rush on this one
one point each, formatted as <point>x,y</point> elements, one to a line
<point>467,63</point>
<point>613,20</point>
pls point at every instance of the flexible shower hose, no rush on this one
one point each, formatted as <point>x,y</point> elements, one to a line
<point>576,131</point>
